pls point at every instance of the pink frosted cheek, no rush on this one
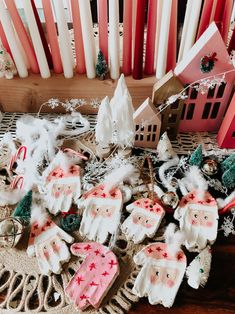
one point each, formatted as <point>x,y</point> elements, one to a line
<point>46,254</point>
<point>68,192</point>
<point>56,248</point>
<point>135,220</point>
<point>170,283</point>
<point>153,279</point>
<point>209,224</point>
<point>93,213</point>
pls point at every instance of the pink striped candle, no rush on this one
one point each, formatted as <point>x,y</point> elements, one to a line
<point>42,35</point>
<point>172,41</point>
<point>151,37</point>
<point>228,7</point>
<point>103,27</point>
<point>139,40</point>
<point>232,42</point>
<point>127,38</point>
<point>4,40</point>
<point>23,36</point>
<point>52,36</point>
<point>205,17</point>
<point>219,10</point>
<point>77,28</point>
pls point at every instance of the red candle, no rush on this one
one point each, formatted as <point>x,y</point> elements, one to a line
<point>23,36</point>
<point>139,40</point>
<point>232,42</point>
<point>205,17</point>
<point>218,18</point>
<point>52,36</point>
<point>228,8</point>
<point>77,28</point>
<point>42,35</point>
<point>172,40</point>
<point>151,37</point>
<point>103,27</point>
<point>127,38</point>
<point>4,40</point>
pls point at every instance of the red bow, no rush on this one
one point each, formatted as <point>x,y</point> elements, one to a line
<point>209,58</point>
<point>70,212</point>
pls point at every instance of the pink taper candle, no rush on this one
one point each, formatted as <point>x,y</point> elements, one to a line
<point>139,40</point>
<point>103,27</point>
<point>23,36</point>
<point>80,58</point>
<point>127,38</point>
<point>4,40</point>
<point>205,17</point>
<point>228,7</point>
<point>151,37</point>
<point>172,41</point>
<point>52,36</point>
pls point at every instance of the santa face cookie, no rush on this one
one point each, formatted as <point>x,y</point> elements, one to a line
<point>94,277</point>
<point>198,217</point>
<point>161,275</point>
<point>102,211</point>
<point>144,220</point>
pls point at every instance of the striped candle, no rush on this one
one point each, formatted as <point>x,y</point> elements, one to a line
<point>205,17</point>
<point>11,38</point>
<point>127,38</point>
<point>77,28</point>
<point>228,7</point>
<point>23,36</point>
<point>103,27</point>
<point>151,37</point>
<point>172,41</point>
<point>36,39</point>
<point>52,36</point>
<point>64,39</point>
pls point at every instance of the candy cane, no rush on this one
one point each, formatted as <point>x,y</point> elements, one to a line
<point>73,152</point>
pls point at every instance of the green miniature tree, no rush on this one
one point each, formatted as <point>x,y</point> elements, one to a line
<point>228,178</point>
<point>101,66</point>
<point>228,162</point>
<point>196,157</point>
<point>23,209</point>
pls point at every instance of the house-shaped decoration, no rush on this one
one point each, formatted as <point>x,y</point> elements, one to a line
<point>208,57</point>
<point>147,125</point>
<point>226,134</point>
<point>164,88</point>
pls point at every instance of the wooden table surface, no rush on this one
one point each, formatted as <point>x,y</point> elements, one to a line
<point>217,297</point>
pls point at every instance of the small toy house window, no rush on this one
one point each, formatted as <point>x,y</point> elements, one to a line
<point>211,92</point>
<point>148,137</point>
<point>141,137</point>
<point>221,89</point>
<point>153,137</point>
<point>233,135</point>
<point>172,118</point>
<point>149,128</point>
<point>215,110</point>
<point>137,127</point>
<point>175,105</point>
<point>142,128</point>
<point>190,111</point>
<point>137,137</point>
<point>194,93</point>
<point>183,112</point>
<point>206,110</point>
<point>154,128</point>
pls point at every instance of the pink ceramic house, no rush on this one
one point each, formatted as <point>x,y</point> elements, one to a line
<point>226,134</point>
<point>205,112</point>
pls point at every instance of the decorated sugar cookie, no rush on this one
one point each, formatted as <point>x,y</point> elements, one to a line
<point>94,277</point>
<point>144,220</point>
<point>163,270</point>
<point>102,211</point>
<point>62,184</point>
<point>198,217</point>
<point>48,243</point>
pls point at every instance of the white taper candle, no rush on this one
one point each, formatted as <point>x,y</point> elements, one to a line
<point>163,39</point>
<point>36,39</point>
<point>88,38</point>
<point>64,39</point>
<point>11,37</point>
<point>114,39</point>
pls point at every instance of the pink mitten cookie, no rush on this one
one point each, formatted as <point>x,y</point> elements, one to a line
<point>102,211</point>
<point>198,217</point>
<point>94,277</point>
<point>48,242</point>
<point>144,220</point>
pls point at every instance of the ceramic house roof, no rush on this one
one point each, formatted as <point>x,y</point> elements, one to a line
<point>146,111</point>
<point>188,70</point>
